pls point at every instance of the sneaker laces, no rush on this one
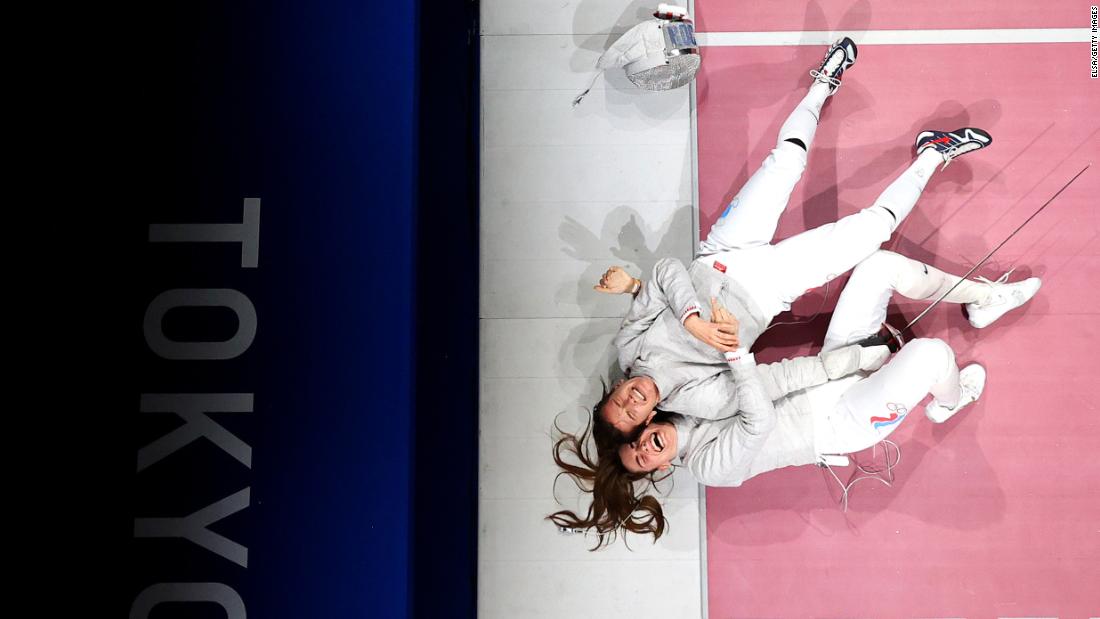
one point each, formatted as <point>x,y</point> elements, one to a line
<point>820,75</point>
<point>994,284</point>
<point>954,151</point>
<point>824,78</point>
<point>967,392</point>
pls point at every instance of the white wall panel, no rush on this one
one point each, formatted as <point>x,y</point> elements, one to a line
<point>553,62</point>
<point>528,407</point>
<point>606,116</point>
<point>560,589</point>
<point>548,288</point>
<point>562,16</point>
<point>565,193</point>
<point>542,259</point>
<point>525,348</point>
<point>586,231</point>
<point>522,468</point>
<point>582,174</point>
<point>516,530</point>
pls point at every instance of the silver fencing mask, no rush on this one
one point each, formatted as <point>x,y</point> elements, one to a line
<point>658,54</point>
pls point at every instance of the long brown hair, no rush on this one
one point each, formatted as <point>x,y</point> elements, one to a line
<point>616,504</point>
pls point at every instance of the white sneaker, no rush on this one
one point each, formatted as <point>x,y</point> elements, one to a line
<point>1003,298</point>
<point>971,385</point>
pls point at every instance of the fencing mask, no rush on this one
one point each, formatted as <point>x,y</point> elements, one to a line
<point>658,54</point>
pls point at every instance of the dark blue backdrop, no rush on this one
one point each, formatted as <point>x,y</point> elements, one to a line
<point>364,365</point>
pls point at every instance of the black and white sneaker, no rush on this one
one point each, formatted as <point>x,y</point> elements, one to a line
<point>952,144</point>
<point>838,57</point>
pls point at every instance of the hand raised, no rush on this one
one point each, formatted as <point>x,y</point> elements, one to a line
<point>615,281</point>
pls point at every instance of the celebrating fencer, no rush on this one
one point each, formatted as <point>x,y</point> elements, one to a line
<point>693,394</point>
<point>665,340</point>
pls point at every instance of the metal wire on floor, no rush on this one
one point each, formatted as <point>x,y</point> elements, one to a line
<point>883,474</point>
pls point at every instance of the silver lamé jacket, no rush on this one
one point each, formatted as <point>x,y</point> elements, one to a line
<point>694,379</point>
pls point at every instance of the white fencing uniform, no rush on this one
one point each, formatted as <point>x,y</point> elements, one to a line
<point>861,308</point>
<point>869,409</point>
<point>753,278</point>
<point>775,275</point>
<point>841,416</point>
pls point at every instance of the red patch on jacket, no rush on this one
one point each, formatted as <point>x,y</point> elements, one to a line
<point>721,267</point>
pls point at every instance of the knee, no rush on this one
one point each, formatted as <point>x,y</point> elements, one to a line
<point>933,352</point>
<point>877,222</point>
<point>881,266</point>
<point>787,156</point>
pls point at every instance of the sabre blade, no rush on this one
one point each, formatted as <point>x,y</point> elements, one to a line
<point>992,251</point>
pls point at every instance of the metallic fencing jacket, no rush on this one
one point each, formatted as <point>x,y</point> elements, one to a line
<point>692,378</point>
<point>764,410</point>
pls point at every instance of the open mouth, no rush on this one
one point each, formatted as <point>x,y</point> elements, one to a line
<point>658,444</point>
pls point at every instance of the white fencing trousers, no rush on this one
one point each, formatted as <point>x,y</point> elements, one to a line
<point>765,195</point>
<point>861,309</point>
<point>750,219</point>
<point>775,275</point>
<point>867,410</point>
<point>801,124</point>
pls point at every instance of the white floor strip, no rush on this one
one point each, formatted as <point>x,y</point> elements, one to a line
<point>896,37</point>
<point>703,580</point>
<point>704,584</point>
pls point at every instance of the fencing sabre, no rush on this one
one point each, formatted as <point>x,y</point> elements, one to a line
<point>893,338</point>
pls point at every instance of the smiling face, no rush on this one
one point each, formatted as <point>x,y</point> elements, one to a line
<point>631,404</point>
<point>654,449</point>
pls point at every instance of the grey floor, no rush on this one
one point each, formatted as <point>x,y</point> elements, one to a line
<point>566,193</point>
